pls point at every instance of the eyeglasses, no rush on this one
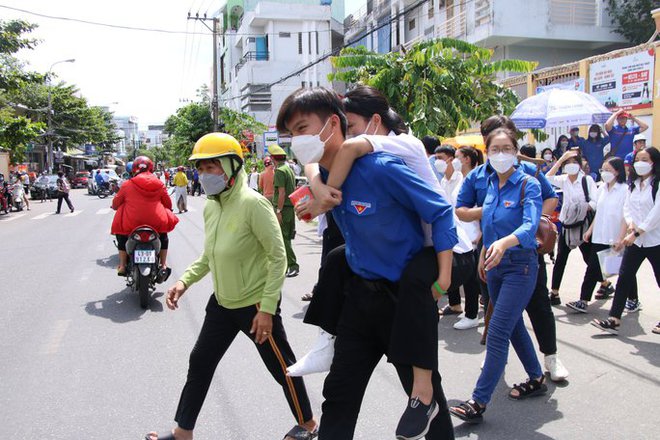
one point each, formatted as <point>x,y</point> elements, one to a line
<point>506,150</point>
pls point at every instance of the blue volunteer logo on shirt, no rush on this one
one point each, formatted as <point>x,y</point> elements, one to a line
<point>360,207</point>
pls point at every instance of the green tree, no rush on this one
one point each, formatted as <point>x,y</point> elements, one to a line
<point>632,19</point>
<point>439,87</point>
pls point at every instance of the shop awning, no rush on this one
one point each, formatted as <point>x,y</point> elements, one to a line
<point>74,152</point>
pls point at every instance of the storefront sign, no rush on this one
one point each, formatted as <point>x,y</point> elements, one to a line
<point>624,82</point>
<point>575,84</point>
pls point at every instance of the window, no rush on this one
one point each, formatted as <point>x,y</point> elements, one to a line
<point>411,24</point>
<point>250,39</point>
<point>299,43</point>
<point>285,34</point>
<point>431,8</point>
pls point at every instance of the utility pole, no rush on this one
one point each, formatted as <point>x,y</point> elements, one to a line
<point>215,29</point>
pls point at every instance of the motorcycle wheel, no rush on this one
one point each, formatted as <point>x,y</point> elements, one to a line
<point>143,290</point>
<point>102,194</point>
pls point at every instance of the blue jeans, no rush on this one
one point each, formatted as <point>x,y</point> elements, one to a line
<point>510,285</point>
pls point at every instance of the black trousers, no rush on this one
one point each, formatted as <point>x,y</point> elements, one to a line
<point>540,313</point>
<point>196,186</point>
<point>593,272</point>
<point>633,257</point>
<point>365,333</point>
<point>463,273</point>
<point>221,325</point>
<point>332,238</point>
<point>63,196</point>
<point>562,259</point>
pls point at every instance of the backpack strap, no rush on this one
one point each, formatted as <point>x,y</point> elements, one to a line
<point>585,188</point>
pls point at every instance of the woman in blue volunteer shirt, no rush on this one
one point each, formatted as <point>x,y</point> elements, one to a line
<point>509,262</point>
<point>592,147</point>
<point>561,147</point>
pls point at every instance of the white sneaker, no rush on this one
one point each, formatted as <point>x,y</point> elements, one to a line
<point>556,369</point>
<point>319,358</point>
<point>466,323</point>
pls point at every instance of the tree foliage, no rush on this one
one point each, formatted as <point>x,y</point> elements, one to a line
<point>439,87</point>
<point>632,19</point>
<point>195,120</point>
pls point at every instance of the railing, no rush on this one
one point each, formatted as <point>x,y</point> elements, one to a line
<point>455,27</point>
<point>252,56</point>
<point>482,12</point>
<point>575,12</point>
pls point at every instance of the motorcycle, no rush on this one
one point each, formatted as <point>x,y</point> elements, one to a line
<point>17,196</point>
<point>108,189</point>
<point>143,270</point>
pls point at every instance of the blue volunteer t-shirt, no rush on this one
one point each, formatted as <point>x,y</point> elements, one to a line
<point>623,137</point>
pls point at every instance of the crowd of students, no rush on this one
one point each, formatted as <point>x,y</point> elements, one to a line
<point>418,220</point>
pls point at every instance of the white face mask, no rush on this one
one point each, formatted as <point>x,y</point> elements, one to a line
<point>440,166</point>
<point>564,144</point>
<point>547,157</point>
<point>309,148</point>
<point>607,176</point>
<point>502,162</point>
<point>457,165</point>
<point>571,169</point>
<point>642,168</point>
<point>593,134</point>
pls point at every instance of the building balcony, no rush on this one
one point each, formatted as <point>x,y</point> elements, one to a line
<point>252,56</point>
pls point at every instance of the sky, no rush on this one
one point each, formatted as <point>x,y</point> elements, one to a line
<point>143,74</point>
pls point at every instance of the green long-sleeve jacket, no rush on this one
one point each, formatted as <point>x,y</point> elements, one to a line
<point>243,249</point>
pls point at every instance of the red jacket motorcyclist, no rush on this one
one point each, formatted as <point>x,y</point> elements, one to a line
<point>143,200</point>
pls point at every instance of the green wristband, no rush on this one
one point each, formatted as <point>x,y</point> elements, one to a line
<point>440,290</point>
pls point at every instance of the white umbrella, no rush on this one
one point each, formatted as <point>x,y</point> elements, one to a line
<point>559,108</point>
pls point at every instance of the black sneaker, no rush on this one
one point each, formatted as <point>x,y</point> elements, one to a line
<point>578,306</point>
<point>604,292</point>
<point>293,272</point>
<point>606,325</point>
<point>416,420</point>
<point>554,299</point>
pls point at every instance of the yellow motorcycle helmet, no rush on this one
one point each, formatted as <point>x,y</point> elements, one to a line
<point>215,145</point>
<point>276,150</point>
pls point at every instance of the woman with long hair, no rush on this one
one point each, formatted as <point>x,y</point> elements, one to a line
<point>470,158</point>
<point>641,212</point>
<point>592,147</point>
<point>561,147</point>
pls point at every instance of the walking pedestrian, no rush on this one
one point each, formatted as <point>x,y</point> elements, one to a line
<point>509,261</point>
<point>470,208</point>
<point>181,190</point>
<point>247,267</point>
<point>605,231</point>
<point>576,215</point>
<point>642,236</point>
<point>196,187</point>
<point>284,183</point>
<point>376,265</point>
<point>63,188</point>
<point>253,178</point>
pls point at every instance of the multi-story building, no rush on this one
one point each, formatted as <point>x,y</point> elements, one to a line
<point>128,126</point>
<point>153,136</point>
<point>551,32</point>
<point>263,42</point>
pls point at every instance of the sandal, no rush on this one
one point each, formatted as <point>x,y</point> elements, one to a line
<point>121,272</point>
<point>449,311</point>
<point>468,411</point>
<point>606,325</point>
<point>656,329</point>
<point>604,292</point>
<point>300,433</point>
<point>168,436</point>
<point>531,388</point>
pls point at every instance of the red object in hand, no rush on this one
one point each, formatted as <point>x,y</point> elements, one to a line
<point>302,194</point>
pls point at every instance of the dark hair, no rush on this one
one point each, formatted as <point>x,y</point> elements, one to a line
<point>318,101</point>
<point>367,101</point>
<point>655,158</point>
<point>430,144</point>
<point>476,156</point>
<point>596,127</point>
<point>60,174</point>
<point>558,144</point>
<point>617,163</point>
<point>505,131</point>
<point>446,149</point>
<point>495,122</point>
<point>528,150</point>
<point>544,150</point>
<point>578,157</point>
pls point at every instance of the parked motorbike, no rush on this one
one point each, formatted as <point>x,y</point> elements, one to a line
<point>143,270</point>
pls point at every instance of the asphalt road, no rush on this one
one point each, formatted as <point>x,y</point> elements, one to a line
<point>81,360</point>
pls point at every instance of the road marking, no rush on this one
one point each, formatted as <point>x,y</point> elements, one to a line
<point>42,216</point>
<point>72,214</point>
<point>103,211</point>
<point>11,218</point>
<point>56,336</point>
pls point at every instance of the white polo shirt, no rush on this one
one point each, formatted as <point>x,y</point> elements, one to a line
<point>640,209</point>
<point>609,213</point>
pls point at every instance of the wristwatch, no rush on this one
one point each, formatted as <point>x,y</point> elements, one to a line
<point>637,234</point>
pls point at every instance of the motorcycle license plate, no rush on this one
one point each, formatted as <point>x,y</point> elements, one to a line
<point>144,257</point>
